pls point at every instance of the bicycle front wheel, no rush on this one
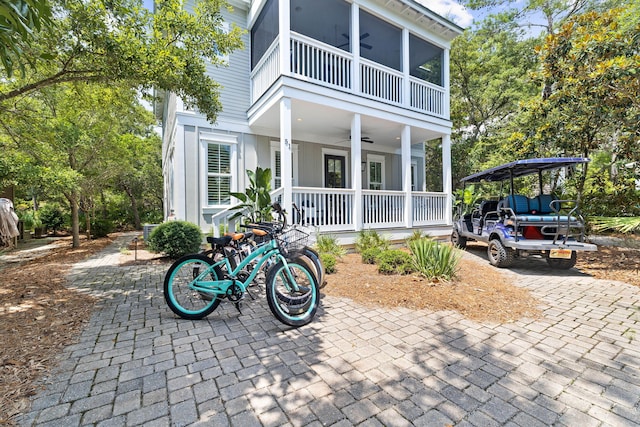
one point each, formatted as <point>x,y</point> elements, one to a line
<point>179,292</point>
<point>294,303</point>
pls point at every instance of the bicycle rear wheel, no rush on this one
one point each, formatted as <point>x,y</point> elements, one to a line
<point>317,265</point>
<point>179,293</point>
<point>290,306</point>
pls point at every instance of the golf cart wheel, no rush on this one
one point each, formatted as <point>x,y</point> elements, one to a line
<point>458,240</point>
<point>499,255</point>
<point>562,263</point>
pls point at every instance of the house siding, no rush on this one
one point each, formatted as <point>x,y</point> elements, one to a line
<point>235,78</point>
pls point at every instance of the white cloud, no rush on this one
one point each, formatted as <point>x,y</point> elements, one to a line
<point>450,10</point>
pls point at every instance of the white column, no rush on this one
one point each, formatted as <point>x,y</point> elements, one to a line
<point>406,84</point>
<point>445,82</point>
<point>446,176</point>
<point>356,170</point>
<point>286,167</point>
<point>406,175</point>
<point>284,38</point>
<point>355,46</point>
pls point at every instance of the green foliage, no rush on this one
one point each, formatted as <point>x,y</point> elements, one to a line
<point>256,200</point>
<point>394,261</point>
<point>589,69</point>
<point>52,217</point>
<point>101,228</point>
<point>27,217</point>
<point>370,256</point>
<point>123,42</point>
<point>329,262</point>
<point>625,225</point>
<point>417,234</point>
<point>370,239</point>
<point>19,20</point>
<point>328,244</point>
<point>175,238</point>
<point>434,260</point>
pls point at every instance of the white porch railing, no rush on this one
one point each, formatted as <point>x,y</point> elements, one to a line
<point>266,71</point>
<point>326,65</point>
<point>380,82</point>
<point>331,209</point>
<point>427,97</point>
<point>382,209</point>
<point>429,208</point>
<point>323,64</point>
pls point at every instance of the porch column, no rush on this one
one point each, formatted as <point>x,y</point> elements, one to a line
<point>446,177</point>
<point>355,46</point>
<point>285,156</point>
<point>445,82</point>
<point>284,38</point>
<point>356,171</point>
<point>406,65</point>
<point>406,175</point>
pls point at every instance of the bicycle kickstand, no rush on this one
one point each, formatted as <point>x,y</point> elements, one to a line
<point>239,306</point>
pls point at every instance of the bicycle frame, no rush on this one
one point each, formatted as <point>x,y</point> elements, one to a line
<point>260,255</point>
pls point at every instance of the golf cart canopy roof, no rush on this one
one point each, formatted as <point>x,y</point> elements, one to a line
<point>522,168</point>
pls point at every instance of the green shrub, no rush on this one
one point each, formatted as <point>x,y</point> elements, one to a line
<point>368,239</point>
<point>369,256</point>
<point>434,260</point>
<point>101,228</point>
<point>52,217</point>
<point>175,238</point>
<point>329,262</point>
<point>416,235</point>
<point>394,261</point>
<point>328,244</point>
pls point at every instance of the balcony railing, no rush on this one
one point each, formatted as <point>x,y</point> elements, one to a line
<point>317,62</point>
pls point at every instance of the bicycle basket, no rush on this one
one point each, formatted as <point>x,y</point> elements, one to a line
<point>292,242</point>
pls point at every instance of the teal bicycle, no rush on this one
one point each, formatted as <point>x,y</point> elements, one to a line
<point>195,285</point>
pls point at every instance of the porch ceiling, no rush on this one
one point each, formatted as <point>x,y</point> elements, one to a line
<point>328,125</point>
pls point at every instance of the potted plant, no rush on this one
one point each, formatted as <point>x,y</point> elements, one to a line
<point>38,228</point>
<point>28,219</point>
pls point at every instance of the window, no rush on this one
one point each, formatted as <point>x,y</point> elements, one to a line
<point>376,172</point>
<point>218,174</point>
<point>425,60</point>
<point>264,31</point>
<point>276,175</point>
<point>219,152</point>
<point>310,17</point>
<point>380,41</point>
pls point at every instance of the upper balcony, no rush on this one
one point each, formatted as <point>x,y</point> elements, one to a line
<point>387,61</point>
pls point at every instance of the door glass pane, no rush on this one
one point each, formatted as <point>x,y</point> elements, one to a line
<point>375,176</point>
<point>334,171</point>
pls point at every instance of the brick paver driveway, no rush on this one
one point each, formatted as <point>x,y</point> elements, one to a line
<point>136,363</point>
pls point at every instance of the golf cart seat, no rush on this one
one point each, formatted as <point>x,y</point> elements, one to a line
<point>535,209</point>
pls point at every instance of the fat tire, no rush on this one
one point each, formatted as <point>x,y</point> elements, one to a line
<point>320,270</point>
<point>458,240</point>
<point>562,263</point>
<point>293,309</point>
<point>177,292</point>
<point>499,255</point>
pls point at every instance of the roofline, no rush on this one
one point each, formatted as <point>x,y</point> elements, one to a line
<point>433,15</point>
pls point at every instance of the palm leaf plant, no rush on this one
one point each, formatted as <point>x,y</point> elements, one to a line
<point>255,203</point>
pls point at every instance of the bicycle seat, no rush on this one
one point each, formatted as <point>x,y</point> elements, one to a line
<point>219,241</point>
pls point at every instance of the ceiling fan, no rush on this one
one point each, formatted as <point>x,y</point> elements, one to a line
<point>362,37</point>
<point>366,139</point>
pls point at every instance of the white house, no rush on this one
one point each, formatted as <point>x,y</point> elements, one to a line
<point>339,95</point>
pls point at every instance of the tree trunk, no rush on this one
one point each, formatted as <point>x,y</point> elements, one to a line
<point>134,208</point>
<point>75,219</point>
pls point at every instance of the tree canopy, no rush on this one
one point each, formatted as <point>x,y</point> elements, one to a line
<point>120,41</point>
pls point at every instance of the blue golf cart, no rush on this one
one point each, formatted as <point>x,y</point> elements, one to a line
<point>522,225</point>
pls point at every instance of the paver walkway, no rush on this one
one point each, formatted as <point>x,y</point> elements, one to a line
<point>137,364</point>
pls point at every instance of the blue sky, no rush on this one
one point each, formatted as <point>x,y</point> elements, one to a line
<point>450,10</point>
